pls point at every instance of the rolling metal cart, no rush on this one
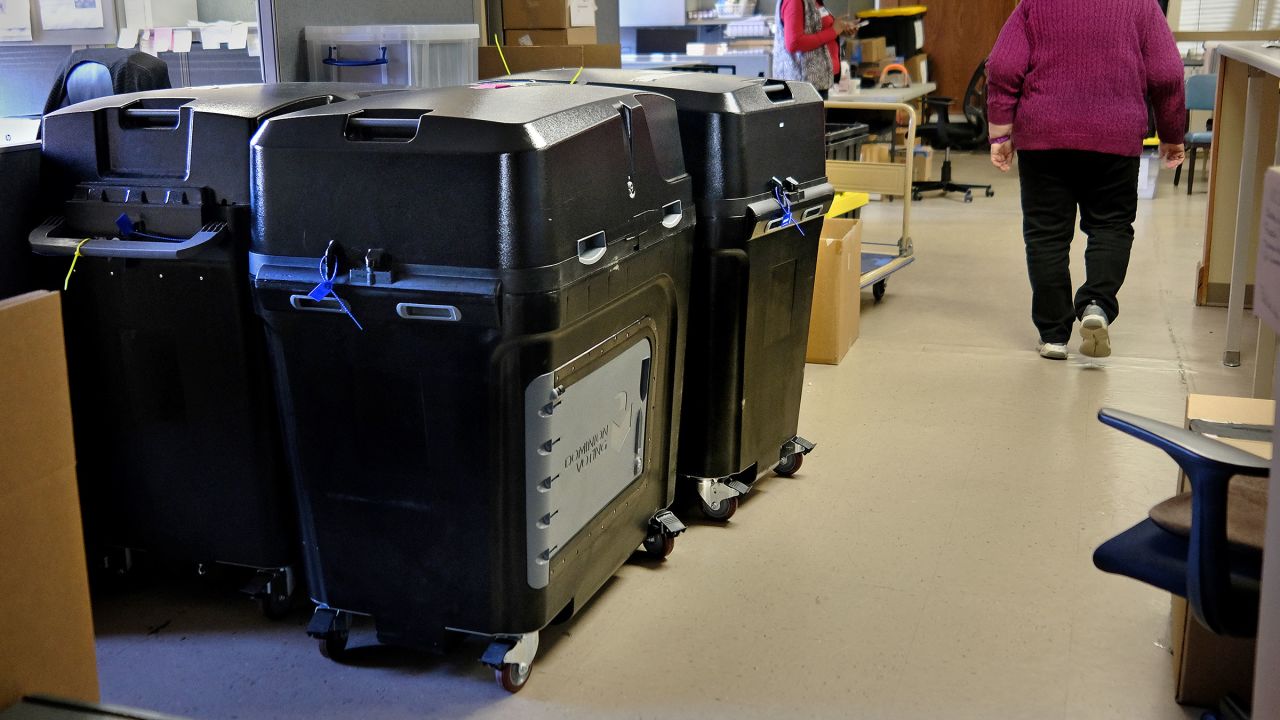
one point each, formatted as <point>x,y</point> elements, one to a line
<point>880,260</point>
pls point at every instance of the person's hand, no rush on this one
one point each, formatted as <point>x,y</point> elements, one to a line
<point>1002,155</point>
<point>840,26</point>
<point>1172,154</point>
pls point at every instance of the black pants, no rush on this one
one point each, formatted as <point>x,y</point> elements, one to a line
<point>1105,189</point>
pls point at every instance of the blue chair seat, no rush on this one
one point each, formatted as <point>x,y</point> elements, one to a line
<point>1199,138</point>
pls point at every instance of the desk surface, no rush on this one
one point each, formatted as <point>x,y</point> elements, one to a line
<point>1256,54</point>
<point>887,95</point>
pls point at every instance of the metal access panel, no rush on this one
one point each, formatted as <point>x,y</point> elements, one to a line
<point>584,444</point>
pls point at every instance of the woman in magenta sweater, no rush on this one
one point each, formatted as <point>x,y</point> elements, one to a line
<point>806,45</point>
<point>1068,84</point>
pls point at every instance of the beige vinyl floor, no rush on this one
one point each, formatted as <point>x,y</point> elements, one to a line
<point>931,560</point>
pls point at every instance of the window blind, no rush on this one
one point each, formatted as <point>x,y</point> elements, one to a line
<point>1228,15</point>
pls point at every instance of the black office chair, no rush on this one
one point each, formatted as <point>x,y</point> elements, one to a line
<point>946,135</point>
<point>99,72</point>
<point>1205,545</point>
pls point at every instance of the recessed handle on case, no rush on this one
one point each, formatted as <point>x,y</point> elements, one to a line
<point>305,302</point>
<point>44,242</point>
<point>153,117</point>
<point>591,248</point>
<point>672,214</point>
<point>331,60</point>
<point>777,92</point>
<point>419,311</point>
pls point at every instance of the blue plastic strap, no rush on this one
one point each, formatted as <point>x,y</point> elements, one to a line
<point>128,231</point>
<point>785,203</point>
<point>325,288</point>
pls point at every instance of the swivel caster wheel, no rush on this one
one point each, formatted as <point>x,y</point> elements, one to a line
<point>968,196</point>
<point>916,197</point>
<point>726,509</point>
<point>877,290</point>
<point>790,465</point>
<point>991,193</point>
<point>275,606</point>
<point>512,677</point>
<point>334,645</point>
<point>660,546</point>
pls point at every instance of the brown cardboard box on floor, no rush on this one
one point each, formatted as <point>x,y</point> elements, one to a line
<point>548,13</point>
<point>44,585</point>
<point>1207,667</point>
<point>833,322</point>
<point>547,57</point>
<point>563,36</point>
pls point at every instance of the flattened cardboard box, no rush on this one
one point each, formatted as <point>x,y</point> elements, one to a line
<point>548,13</point>
<point>565,36</point>
<point>44,587</point>
<point>834,319</point>
<point>547,57</point>
<point>1207,667</point>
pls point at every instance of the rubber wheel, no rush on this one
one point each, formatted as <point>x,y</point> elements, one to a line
<point>991,193</point>
<point>726,510</point>
<point>660,546</point>
<point>916,197</point>
<point>510,678</point>
<point>877,290</point>
<point>334,646</point>
<point>790,465</point>
<point>968,197</point>
<point>275,606</point>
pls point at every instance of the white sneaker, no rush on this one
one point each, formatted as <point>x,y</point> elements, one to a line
<point>1095,338</point>
<point>1053,351</point>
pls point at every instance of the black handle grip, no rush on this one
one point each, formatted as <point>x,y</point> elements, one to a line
<point>44,242</point>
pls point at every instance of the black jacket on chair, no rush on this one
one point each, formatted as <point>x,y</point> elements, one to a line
<point>131,71</point>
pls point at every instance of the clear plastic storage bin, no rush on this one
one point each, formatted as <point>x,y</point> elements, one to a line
<point>418,55</point>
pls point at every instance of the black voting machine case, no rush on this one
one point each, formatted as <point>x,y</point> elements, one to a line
<point>751,145</point>
<point>480,398</point>
<point>176,429</point>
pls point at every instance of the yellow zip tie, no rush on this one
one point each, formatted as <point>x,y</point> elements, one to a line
<point>575,75</point>
<point>498,43</point>
<point>66,283</point>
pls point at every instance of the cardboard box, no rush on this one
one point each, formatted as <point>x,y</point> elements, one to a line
<point>873,49</point>
<point>548,13</point>
<point>918,67</point>
<point>44,586</point>
<point>562,36</point>
<point>1207,667</point>
<point>547,57</point>
<point>837,297</point>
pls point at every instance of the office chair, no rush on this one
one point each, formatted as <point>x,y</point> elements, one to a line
<point>947,135</point>
<point>1205,545</point>
<point>99,72</point>
<point>1202,94</point>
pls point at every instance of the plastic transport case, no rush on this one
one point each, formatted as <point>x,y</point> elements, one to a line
<point>476,301</point>
<point>756,152</point>
<point>902,28</point>
<point>176,426</point>
<point>19,189</point>
<point>418,55</point>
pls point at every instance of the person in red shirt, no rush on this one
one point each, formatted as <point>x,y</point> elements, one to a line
<point>806,45</point>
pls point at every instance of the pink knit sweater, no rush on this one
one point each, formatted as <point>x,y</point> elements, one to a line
<point>1075,75</point>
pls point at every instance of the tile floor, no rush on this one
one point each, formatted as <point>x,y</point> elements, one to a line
<point>931,560</point>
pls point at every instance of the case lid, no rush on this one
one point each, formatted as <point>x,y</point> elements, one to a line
<point>704,92</point>
<point>390,33</point>
<point>905,11</point>
<point>494,176</point>
<point>195,137</point>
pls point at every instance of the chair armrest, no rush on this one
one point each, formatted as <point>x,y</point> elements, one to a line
<point>1187,448</point>
<point>1209,465</point>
